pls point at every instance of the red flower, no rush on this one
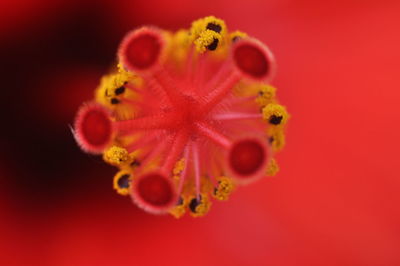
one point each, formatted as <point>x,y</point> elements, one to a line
<point>334,202</point>
<point>189,94</point>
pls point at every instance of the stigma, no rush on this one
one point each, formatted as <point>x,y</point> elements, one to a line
<point>185,116</point>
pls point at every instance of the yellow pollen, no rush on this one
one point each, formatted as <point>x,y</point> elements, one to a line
<point>205,39</point>
<point>272,168</point>
<point>266,95</point>
<point>179,166</point>
<point>116,155</point>
<point>179,210</point>
<point>237,35</point>
<point>124,191</point>
<point>275,114</point>
<point>224,188</point>
<point>203,207</point>
<point>278,137</point>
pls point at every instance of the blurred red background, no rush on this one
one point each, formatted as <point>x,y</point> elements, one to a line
<point>334,202</point>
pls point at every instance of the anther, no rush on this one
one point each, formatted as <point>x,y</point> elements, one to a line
<point>224,188</point>
<point>275,120</point>
<point>213,45</point>
<point>199,206</point>
<point>122,182</point>
<point>180,201</point>
<point>270,140</point>
<point>119,90</point>
<point>116,156</point>
<point>193,204</point>
<point>179,209</point>
<point>214,27</point>
<point>272,168</point>
<point>237,35</point>
<point>266,95</point>
<point>277,138</point>
<point>135,163</point>
<point>236,38</point>
<point>275,114</point>
<point>115,101</point>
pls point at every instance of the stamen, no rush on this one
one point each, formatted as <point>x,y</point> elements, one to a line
<point>119,90</point>
<point>176,150</point>
<point>199,206</point>
<point>179,210</point>
<point>196,166</point>
<point>277,137</point>
<point>266,95</point>
<point>122,182</point>
<point>189,65</point>
<point>275,120</point>
<point>272,168</point>
<point>275,114</point>
<point>224,188</point>
<point>184,172</point>
<point>214,27</point>
<point>93,128</point>
<point>116,155</point>
<point>207,40</point>
<point>115,101</point>
<point>212,46</point>
<point>236,116</point>
<point>237,35</point>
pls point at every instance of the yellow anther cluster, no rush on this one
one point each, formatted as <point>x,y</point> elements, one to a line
<point>179,166</point>
<point>108,84</point>
<point>277,117</point>
<point>275,114</point>
<point>202,24</point>
<point>234,36</point>
<point>202,207</point>
<point>116,155</point>
<point>112,92</point>
<point>179,47</point>
<point>124,188</point>
<point>224,188</point>
<point>208,32</point>
<point>277,137</point>
<point>266,95</point>
<point>120,157</point>
<point>179,210</point>
<point>272,168</point>
<point>206,39</point>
